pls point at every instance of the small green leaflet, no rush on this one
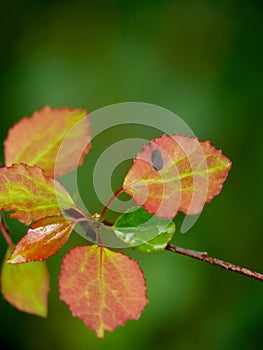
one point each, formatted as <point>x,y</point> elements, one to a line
<point>159,242</point>
<point>147,232</point>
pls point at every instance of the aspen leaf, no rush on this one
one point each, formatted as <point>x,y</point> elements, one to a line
<point>145,231</point>
<point>36,140</point>
<point>101,287</point>
<point>26,286</point>
<point>176,173</point>
<point>42,240</point>
<point>156,244</point>
<point>30,194</point>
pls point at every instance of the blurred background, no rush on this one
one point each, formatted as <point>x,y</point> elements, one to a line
<point>203,61</point>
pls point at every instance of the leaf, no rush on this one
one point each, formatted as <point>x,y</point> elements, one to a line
<point>147,232</point>
<point>101,287</point>
<point>176,173</point>
<point>30,194</point>
<point>156,244</point>
<point>26,286</point>
<point>36,140</point>
<point>43,239</point>
<point>134,228</point>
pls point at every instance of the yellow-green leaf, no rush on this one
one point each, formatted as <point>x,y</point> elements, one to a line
<point>26,286</point>
<point>30,194</point>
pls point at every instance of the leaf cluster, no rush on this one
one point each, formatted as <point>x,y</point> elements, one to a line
<point>102,287</point>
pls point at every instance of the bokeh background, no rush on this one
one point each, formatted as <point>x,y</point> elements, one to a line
<point>203,61</point>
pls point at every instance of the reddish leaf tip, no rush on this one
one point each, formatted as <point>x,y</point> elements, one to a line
<point>16,259</point>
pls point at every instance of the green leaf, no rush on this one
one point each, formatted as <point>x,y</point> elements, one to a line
<point>159,242</point>
<point>26,286</point>
<point>147,232</point>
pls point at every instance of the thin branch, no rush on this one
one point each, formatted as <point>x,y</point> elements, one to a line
<point>110,201</point>
<point>203,256</point>
<point>5,231</point>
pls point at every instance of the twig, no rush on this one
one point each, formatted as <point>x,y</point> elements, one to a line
<point>5,231</point>
<point>203,256</point>
<point>110,201</point>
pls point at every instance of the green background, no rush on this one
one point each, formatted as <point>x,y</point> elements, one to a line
<point>203,61</point>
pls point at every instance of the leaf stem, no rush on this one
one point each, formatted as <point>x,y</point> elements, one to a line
<point>203,256</point>
<point>116,194</point>
<point>5,231</point>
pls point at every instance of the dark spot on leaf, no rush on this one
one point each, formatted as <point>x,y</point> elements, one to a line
<point>73,213</point>
<point>157,160</point>
<point>89,231</point>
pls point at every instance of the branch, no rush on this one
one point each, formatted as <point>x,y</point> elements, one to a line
<point>203,256</point>
<point>102,214</point>
<point>5,231</point>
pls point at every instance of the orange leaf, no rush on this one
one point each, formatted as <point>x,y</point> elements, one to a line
<point>36,140</point>
<point>101,287</point>
<point>30,194</point>
<point>43,239</point>
<point>176,173</point>
<point>26,286</point>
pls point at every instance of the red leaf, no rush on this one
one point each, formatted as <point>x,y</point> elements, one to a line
<point>36,140</point>
<point>176,173</point>
<point>26,286</point>
<point>30,194</point>
<point>101,287</point>
<point>43,239</point>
